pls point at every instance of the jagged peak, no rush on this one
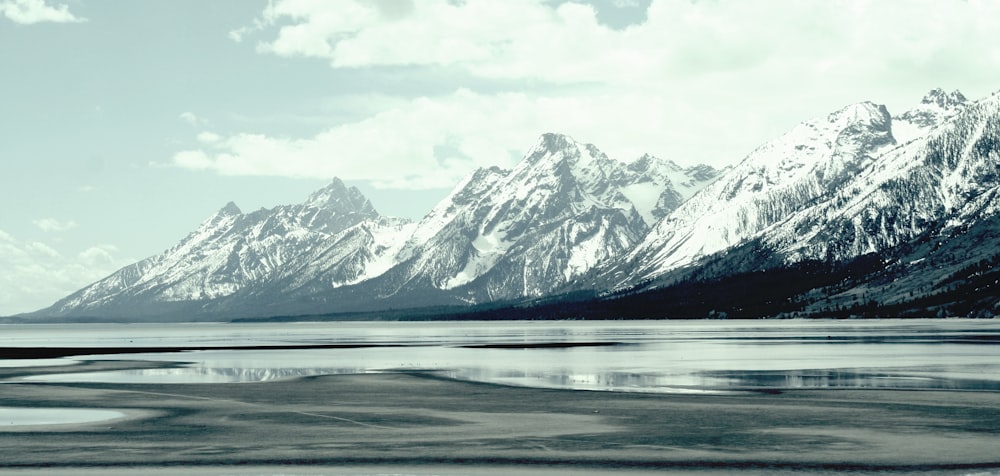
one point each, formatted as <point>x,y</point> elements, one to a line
<point>336,189</point>
<point>228,213</point>
<point>865,112</point>
<point>484,172</point>
<point>936,107</point>
<point>703,172</point>
<point>647,157</point>
<point>647,160</point>
<point>553,141</point>
<point>229,210</point>
<point>857,117</point>
<point>553,149</point>
<point>340,197</point>
<point>944,100</point>
<point>551,145</point>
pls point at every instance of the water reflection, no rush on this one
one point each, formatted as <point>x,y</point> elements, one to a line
<point>13,417</point>
<point>843,378</point>
<point>727,381</point>
<point>6,363</point>
<point>579,378</point>
<point>614,356</point>
<point>192,374</point>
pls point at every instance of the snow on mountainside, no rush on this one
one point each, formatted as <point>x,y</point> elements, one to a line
<point>662,185</point>
<point>359,253</point>
<point>950,176</point>
<point>847,189</point>
<point>773,181</point>
<point>936,107</point>
<point>837,187</point>
<point>564,209</point>
<point>227,253</point>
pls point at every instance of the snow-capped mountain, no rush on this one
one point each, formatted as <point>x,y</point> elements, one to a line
<point>501,234</point>
<point>564,209</point>
<point>775,180</point>
<point>838,187</point>
<point>936,107</point>
<point>855,206</point>
<point>230,252</point>
<point>948,176</point>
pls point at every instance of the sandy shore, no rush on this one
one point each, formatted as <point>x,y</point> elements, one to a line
<point>415,419</point>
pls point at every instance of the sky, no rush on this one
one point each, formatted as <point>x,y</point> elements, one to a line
<point>124,124</point>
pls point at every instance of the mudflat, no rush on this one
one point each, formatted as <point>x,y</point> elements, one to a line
<point>419,418</point>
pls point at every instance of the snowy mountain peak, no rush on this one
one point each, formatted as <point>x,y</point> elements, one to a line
<point>703,173</point>
<point>868,127</point>
<point>944,100</point>
<point>775,180</point>
<point>476,186</point>
<point>552,142</point>
<point>843,185</point>
<point>222,218</point>
<point>934,109</point>
<point>651,162</point>
<point>553,149</point>
<point>338,197</point>
<point>814,145</point>
<point>229,210</point>
<point>564,209</point>
<point>862,114</point>
<point>689,179</point>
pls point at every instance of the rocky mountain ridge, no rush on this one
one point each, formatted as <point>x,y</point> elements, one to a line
<point>858,185</point>
<point>500,235</point>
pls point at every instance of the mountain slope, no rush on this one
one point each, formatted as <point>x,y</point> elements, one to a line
<point>230,252</point>
<point>789,190</point>
<point>502,234</point>
<point>564,209</point>
<point>854,213</point>
<point>949,176</point>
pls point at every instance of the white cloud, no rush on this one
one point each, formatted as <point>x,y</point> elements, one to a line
<point>434,142</point>
<point>697,81</point>
<point>192,119</point>
<point>563,42</point>
<point>37,11</point>
<point>480,36</point>
<point>101,257</point>
<point>35,275</point>
<point>394,148</point>
<point>208,137</point>
<point>53,225</point>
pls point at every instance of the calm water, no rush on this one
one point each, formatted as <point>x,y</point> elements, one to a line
<point>645,356</point>
<point>19,416</point>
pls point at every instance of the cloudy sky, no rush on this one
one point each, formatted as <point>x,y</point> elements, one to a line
<point>126,123</point>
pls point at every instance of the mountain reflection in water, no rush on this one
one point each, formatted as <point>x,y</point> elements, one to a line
<point>660,356</point>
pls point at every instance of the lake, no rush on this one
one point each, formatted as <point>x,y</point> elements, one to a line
<point>622,356</point>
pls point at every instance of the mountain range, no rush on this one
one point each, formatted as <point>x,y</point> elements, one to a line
<point>859,212</point>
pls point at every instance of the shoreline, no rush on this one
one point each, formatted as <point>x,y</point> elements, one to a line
<point>420,419</point>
